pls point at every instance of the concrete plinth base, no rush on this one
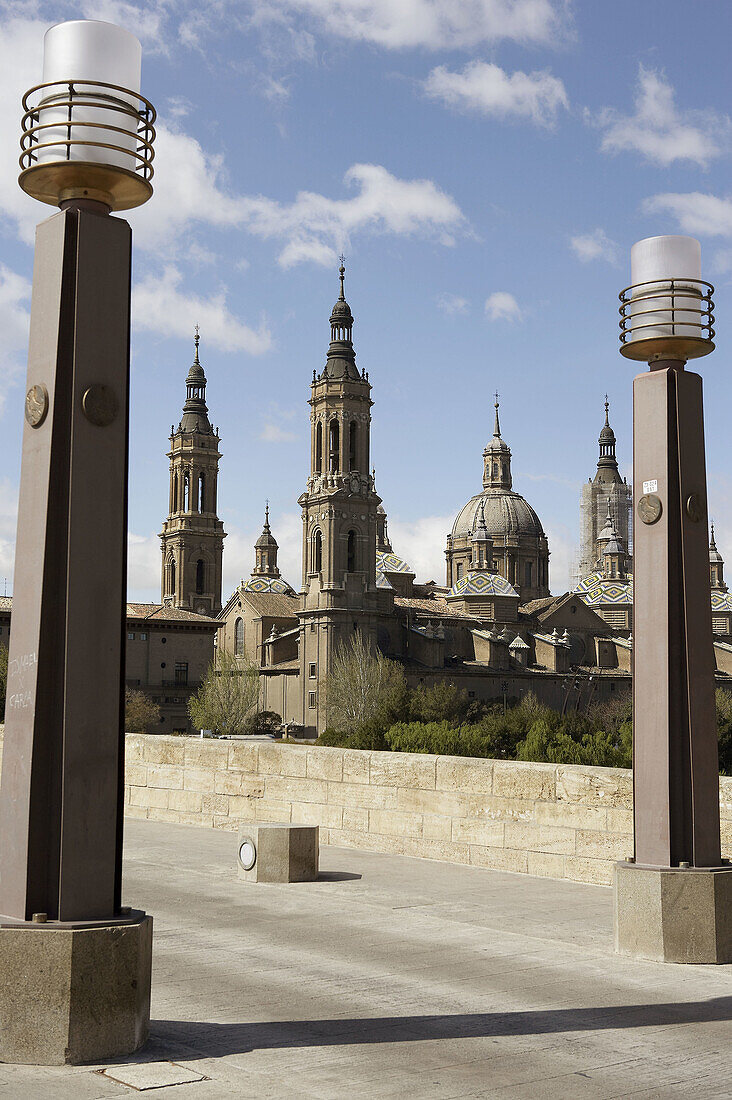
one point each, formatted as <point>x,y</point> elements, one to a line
<point>70,995</point>
<point>671,915</point>
<point>278,853</point>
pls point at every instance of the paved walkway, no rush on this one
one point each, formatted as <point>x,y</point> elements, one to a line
<point>397,977</point>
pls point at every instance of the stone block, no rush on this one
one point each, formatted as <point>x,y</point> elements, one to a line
<point>473,831</point>
<point>72,995</point>
<point>517,779</point>
<point>150,797</point>
<point>243,757</point>
<point>241,808</point>
<point>499,859</point>
<point>595,786</point>
<point>270,759</point>
<point>167,776</point>
<point>681,916</point>
<point>236,783</point>
<point>546,865</point>
<point>598,872</point>
<point>457,774</point>
<point>314,813</point>
<point>435,827</point>
<point>134,748</point>
<point>286,788</point>
<point>354,817</point>
<point>610,846</point>
<point>206,752</point>
<point>185,801</point>
<point>571,815</point>
<point>164,750</point>
<point>282,853</point>
<point>325,763</point>
<point>540,838</point>
<point>138,812</point>
<point>293,760</point>
<point>356,765</point>
<point>199,779</point>
<point>364,795</point>
<point>619,820</point>
<point>403,769</point>
<point>444,803</point>
<point>395,823</point>
<point>443,850</point>
<point>266,809</point>
<point>136,775</point>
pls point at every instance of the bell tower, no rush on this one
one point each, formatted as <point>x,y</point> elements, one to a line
<point>339,512</point>
<point>192,539</point>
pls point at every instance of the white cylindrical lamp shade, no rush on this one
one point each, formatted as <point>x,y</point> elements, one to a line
<point>659,309</point>
<point>79,51</point>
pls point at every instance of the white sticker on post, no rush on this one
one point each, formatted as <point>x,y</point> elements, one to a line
<point>650,486</point>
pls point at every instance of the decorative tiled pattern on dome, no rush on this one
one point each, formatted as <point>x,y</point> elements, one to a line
<point>382,581</point>
<point>598,589</point>
<point>266,584</point>
<point>721,601</point>
<point>390,563</point>
<point>482,584</point>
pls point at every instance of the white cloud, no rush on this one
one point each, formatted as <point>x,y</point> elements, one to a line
<point>421,543</point>
<point>275,433</point>
<point>697,213</point>
<point>315,227</point>
<point>562,553</point>
<point>431,24</point>
<point>489,90</point>
<point>595,246</point>
<point>452,304</point>
<point>659,131</point>
<point>8,525</point>
<point>15,291</point>
<point>160,305</point>
<point>502,306</point>
<point>143,567</point>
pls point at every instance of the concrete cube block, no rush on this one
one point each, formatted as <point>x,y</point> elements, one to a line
<point>270,852</point>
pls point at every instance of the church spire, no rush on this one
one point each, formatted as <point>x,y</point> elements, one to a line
<point>195,410</point>
<point>497,459</point>
<point>341,361</point>
<point>265,551</point>
<point>607,463</point>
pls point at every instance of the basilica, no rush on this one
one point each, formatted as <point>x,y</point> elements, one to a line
<point>494,628</point>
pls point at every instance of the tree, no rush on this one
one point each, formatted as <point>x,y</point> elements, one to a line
<point>228,696</point>
<point>363,688</point>
<point>141,714</point>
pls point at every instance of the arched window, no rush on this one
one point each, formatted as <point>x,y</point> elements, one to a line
<point>186,491</point>
<point>171,576</point>
<point>495,469</point>
<point>200,576</point>
<point>317,552</point>
<point>201,492</point>
<point>319,448</point>
<point>528,573</point>
<point>176,503</point>
<point>239,638</point>
<point>351,555</point>
<point>459,571</point>
<point>334,446</point>
<point>352,442</point>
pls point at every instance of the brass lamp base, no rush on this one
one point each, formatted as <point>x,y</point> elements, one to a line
<point>58,181</point>
<point>666,347</point>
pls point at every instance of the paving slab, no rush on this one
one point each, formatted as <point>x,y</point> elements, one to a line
<point>397,977</point>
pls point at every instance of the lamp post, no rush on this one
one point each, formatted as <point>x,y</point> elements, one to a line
<point>86,146</point>
<point>673,900</point>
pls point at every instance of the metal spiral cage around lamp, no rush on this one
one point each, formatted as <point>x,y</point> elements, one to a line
<point>667,319</point>
<point>54,181</point>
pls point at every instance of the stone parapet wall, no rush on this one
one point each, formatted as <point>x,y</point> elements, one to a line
<point>556,820</point>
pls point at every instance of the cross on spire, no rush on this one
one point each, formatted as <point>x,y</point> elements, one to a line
<point>196,340</point>
<point>342,273</point>
<point>497,426</point>
<point>607,408</point>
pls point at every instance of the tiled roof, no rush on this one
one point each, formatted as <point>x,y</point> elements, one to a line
<point>382,581</point>
<point>274,604</point>
<point>438,608</point>
<point>482,584</point>
<point>721,601</point>
<point>390,563</point>
<point>267,584</point>
<point>162,613</point>
<point>597,590</point>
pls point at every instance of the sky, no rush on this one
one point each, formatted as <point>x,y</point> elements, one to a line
<point>485,166</point>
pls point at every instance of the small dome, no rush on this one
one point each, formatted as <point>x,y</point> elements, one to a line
<point>266,540</point>
<point>382,581</point>
<point>267,584</point>
<point>195,375</point>
<point>607,435</point>
<point>518,643</point>
<point>342,312</point>
<point>506,513</point>
<point>482,584</point>
<point>390,563</point>
<point>597,589</point>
